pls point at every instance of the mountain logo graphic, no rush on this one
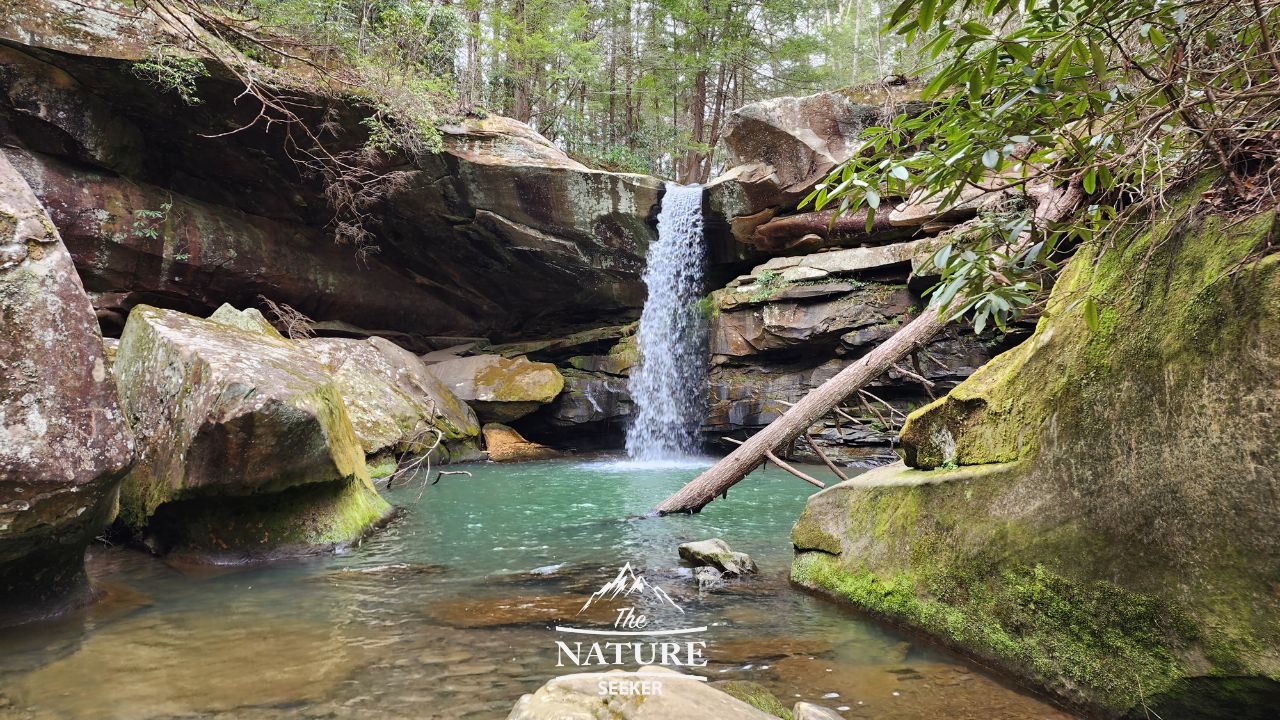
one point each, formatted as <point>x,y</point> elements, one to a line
<point>626,584</point>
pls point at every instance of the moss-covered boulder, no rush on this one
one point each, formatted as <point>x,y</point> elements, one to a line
<point>393,401</point>
<point>1096,511</point>
<point>500,389</point>
<point>63,442</point>
<point>245,448</point>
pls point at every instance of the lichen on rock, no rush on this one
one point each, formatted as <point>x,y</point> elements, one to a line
<point>63,441</point>
<point>500,389</point>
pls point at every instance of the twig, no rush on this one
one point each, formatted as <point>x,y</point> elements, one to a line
<point>293,322</point>
<point>442,473</point>
<point>784,466</point>
<point>823,456</point>
<point>915,376</point>
<point>892,410</point>
<point>836,410</point>
<point>883,422</point>
<point>422,461</point>
<point>919,366</point>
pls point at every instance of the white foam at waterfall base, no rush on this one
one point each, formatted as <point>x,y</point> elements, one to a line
<point>667,387</point>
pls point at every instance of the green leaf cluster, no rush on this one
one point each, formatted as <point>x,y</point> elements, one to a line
<point>1122,99</point>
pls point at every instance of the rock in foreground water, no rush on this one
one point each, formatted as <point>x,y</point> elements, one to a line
<point>63,442</point>
<point>809,711</point>
<point>717,554</point>
<point>244,445</point>
<point>574,698</point>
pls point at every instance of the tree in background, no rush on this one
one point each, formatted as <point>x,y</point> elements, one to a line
<point>634,85</point>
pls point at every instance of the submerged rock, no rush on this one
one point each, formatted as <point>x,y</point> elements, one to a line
<point>500,389</point>
<point>63,441</point>
<point>244,444</point>
<point>1096,511</point>
<point>717,554</point>
<point>809,711</point>
<point>539,610</point>
<point>506,445</point>
<point>393,400</point>
<point>755,695</point>
<point>679,697</point>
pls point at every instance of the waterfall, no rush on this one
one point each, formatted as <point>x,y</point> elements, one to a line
<point>667,386</point>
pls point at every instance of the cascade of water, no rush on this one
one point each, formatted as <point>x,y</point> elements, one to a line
<point>668,384</point>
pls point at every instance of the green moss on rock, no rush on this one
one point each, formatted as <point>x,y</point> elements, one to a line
<point>306,519</point>
<point>755,695</point>
<point>1094,510</point>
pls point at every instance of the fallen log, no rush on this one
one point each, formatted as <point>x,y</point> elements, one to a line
<point>789,232</point>
<point>796,420</point>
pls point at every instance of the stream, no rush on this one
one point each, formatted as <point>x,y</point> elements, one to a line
<point>439,615</point>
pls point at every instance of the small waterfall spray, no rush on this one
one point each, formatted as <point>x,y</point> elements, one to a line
<point>667,386</point>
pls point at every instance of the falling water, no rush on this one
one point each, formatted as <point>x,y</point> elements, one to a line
<point>667,386</point>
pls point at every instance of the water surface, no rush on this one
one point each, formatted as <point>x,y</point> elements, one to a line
<point>439,616</point>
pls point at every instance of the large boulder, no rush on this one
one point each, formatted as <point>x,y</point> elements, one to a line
<point>393,400</point>
<point>63,441</point>
<point>500,389</point>
<point>245,448</point>
<point>578,696</point>
<point>780,148</point>
<point>1096,511</point>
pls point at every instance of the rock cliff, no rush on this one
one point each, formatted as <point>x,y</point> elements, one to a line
<point>159,204</point>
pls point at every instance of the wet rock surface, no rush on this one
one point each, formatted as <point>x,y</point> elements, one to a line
<point>717,554</point>
<point>64,443</point>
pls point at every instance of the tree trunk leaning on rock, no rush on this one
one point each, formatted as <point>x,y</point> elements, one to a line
<point>1054,205</point>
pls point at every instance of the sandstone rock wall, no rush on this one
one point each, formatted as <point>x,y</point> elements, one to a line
<point>499,232</point>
